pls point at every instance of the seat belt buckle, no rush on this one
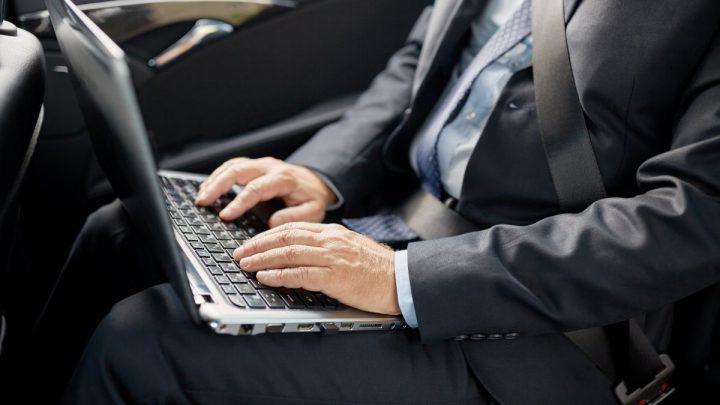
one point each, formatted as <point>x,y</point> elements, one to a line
<point>654,392</point>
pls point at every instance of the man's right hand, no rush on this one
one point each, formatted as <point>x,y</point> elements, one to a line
<point>305,194</point>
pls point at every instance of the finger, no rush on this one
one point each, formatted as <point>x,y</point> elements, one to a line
<point>240,173</point>
<point>307,277</point>
<point>220,169</point>
<point>261,189</point>
<point>308,226</point>
<point>278,240</point>
<point>287,256</point>
<point>311,211</point>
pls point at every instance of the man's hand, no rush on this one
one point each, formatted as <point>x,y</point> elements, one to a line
<point>340,263</point>
<point>305,194</point>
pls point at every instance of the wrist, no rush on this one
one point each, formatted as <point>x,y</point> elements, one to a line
<point>393,304</point>
<point>327,195</point>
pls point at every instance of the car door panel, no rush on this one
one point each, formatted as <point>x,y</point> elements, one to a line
<point>281,59</point>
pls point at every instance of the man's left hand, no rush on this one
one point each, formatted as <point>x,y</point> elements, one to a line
<point>331,259</point>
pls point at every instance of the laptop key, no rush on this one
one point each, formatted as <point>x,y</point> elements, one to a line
<point>200,230</point>
<point>249,275</point>
<point>239,235</point>
<point>230,226</point>
<point>237,300</point>
<point>202,253</point>
<point>214,248</point>
<point>244,288</point>
<point>194,221</point>
<point>222,279</point>
<point>179,222</point>
<point>207,239</point>
<point>272,299</point>
<point>185,229</point>
<point>222,257</point>
<point>208,261</point>
<point>214,270</point>
<point>329,303</point>
<point>185,205</point>
<point>255,283</point>
<point>254,301</point>
<point>229,244</point>
<point>209,218</point>
<point>216,227</point>
<point>236,278</point>
<point>291,299</point>
<point>204,210</point>
<point>197,245</point>
<point>228,289</point>
<point>309,298</point>
<point>190,237</point>
<point>222,235</point>
<point>229,267</point>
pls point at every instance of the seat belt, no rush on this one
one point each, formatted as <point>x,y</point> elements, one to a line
<point>641,373</point>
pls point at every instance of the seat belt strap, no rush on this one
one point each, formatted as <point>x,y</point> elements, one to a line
<point>578,183</point>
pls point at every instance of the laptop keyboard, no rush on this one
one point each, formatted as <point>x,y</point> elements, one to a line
<point>214,241</point>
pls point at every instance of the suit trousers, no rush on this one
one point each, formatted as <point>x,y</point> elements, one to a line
<point>147,350</point>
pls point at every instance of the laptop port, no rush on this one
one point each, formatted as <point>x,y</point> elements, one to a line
<point>275,327</point>
<point>370,326</point>
<point>346,325</point>
<point>305,327</point>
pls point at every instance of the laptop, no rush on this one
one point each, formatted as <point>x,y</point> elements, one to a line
<point>192,245</point>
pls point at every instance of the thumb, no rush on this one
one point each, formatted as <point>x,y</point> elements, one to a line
<point>309,211</point>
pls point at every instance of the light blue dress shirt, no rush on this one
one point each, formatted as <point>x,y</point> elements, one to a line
<point>459,137</point>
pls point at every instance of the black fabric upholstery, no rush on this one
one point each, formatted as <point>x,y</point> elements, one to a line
<point>22,82</point>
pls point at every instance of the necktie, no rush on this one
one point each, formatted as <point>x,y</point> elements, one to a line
<point>391,228</point>
<point>510,34</point>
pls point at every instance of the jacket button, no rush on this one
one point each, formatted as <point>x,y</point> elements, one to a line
<point>461,337</point>
<point>511,336</point>
<point>495,336</point>
<point>407,112</point>
<point>513,105</point>
<point>477,336</point>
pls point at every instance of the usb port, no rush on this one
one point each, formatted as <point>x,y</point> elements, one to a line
<point>305,327</point>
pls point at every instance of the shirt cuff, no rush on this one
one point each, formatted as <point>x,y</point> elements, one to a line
<point>340,200</point>
<point>402,283</point>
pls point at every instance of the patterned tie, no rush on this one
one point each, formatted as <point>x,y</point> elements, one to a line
<point>510,34</point>
<point>391,228</point>
<point>382,228</point>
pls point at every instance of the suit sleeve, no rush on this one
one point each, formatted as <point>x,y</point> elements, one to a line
<point>348,152</point>
<point>617,259</point>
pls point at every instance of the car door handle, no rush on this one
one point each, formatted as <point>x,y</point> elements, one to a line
<point>202,32</point>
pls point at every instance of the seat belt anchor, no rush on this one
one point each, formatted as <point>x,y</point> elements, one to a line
<point>654,392</point>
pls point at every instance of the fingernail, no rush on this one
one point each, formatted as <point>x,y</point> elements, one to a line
<point>202,194</point>
<point>245,263</point>
<point>224,213</point>
<point>238,252</point>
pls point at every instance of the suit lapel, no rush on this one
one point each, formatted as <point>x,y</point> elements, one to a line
<point>448,23</point>
<point>440,21</point>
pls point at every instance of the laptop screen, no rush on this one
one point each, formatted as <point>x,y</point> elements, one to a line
<point>107,98</point>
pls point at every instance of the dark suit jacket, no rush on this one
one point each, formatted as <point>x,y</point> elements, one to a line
<point>648,77</point>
